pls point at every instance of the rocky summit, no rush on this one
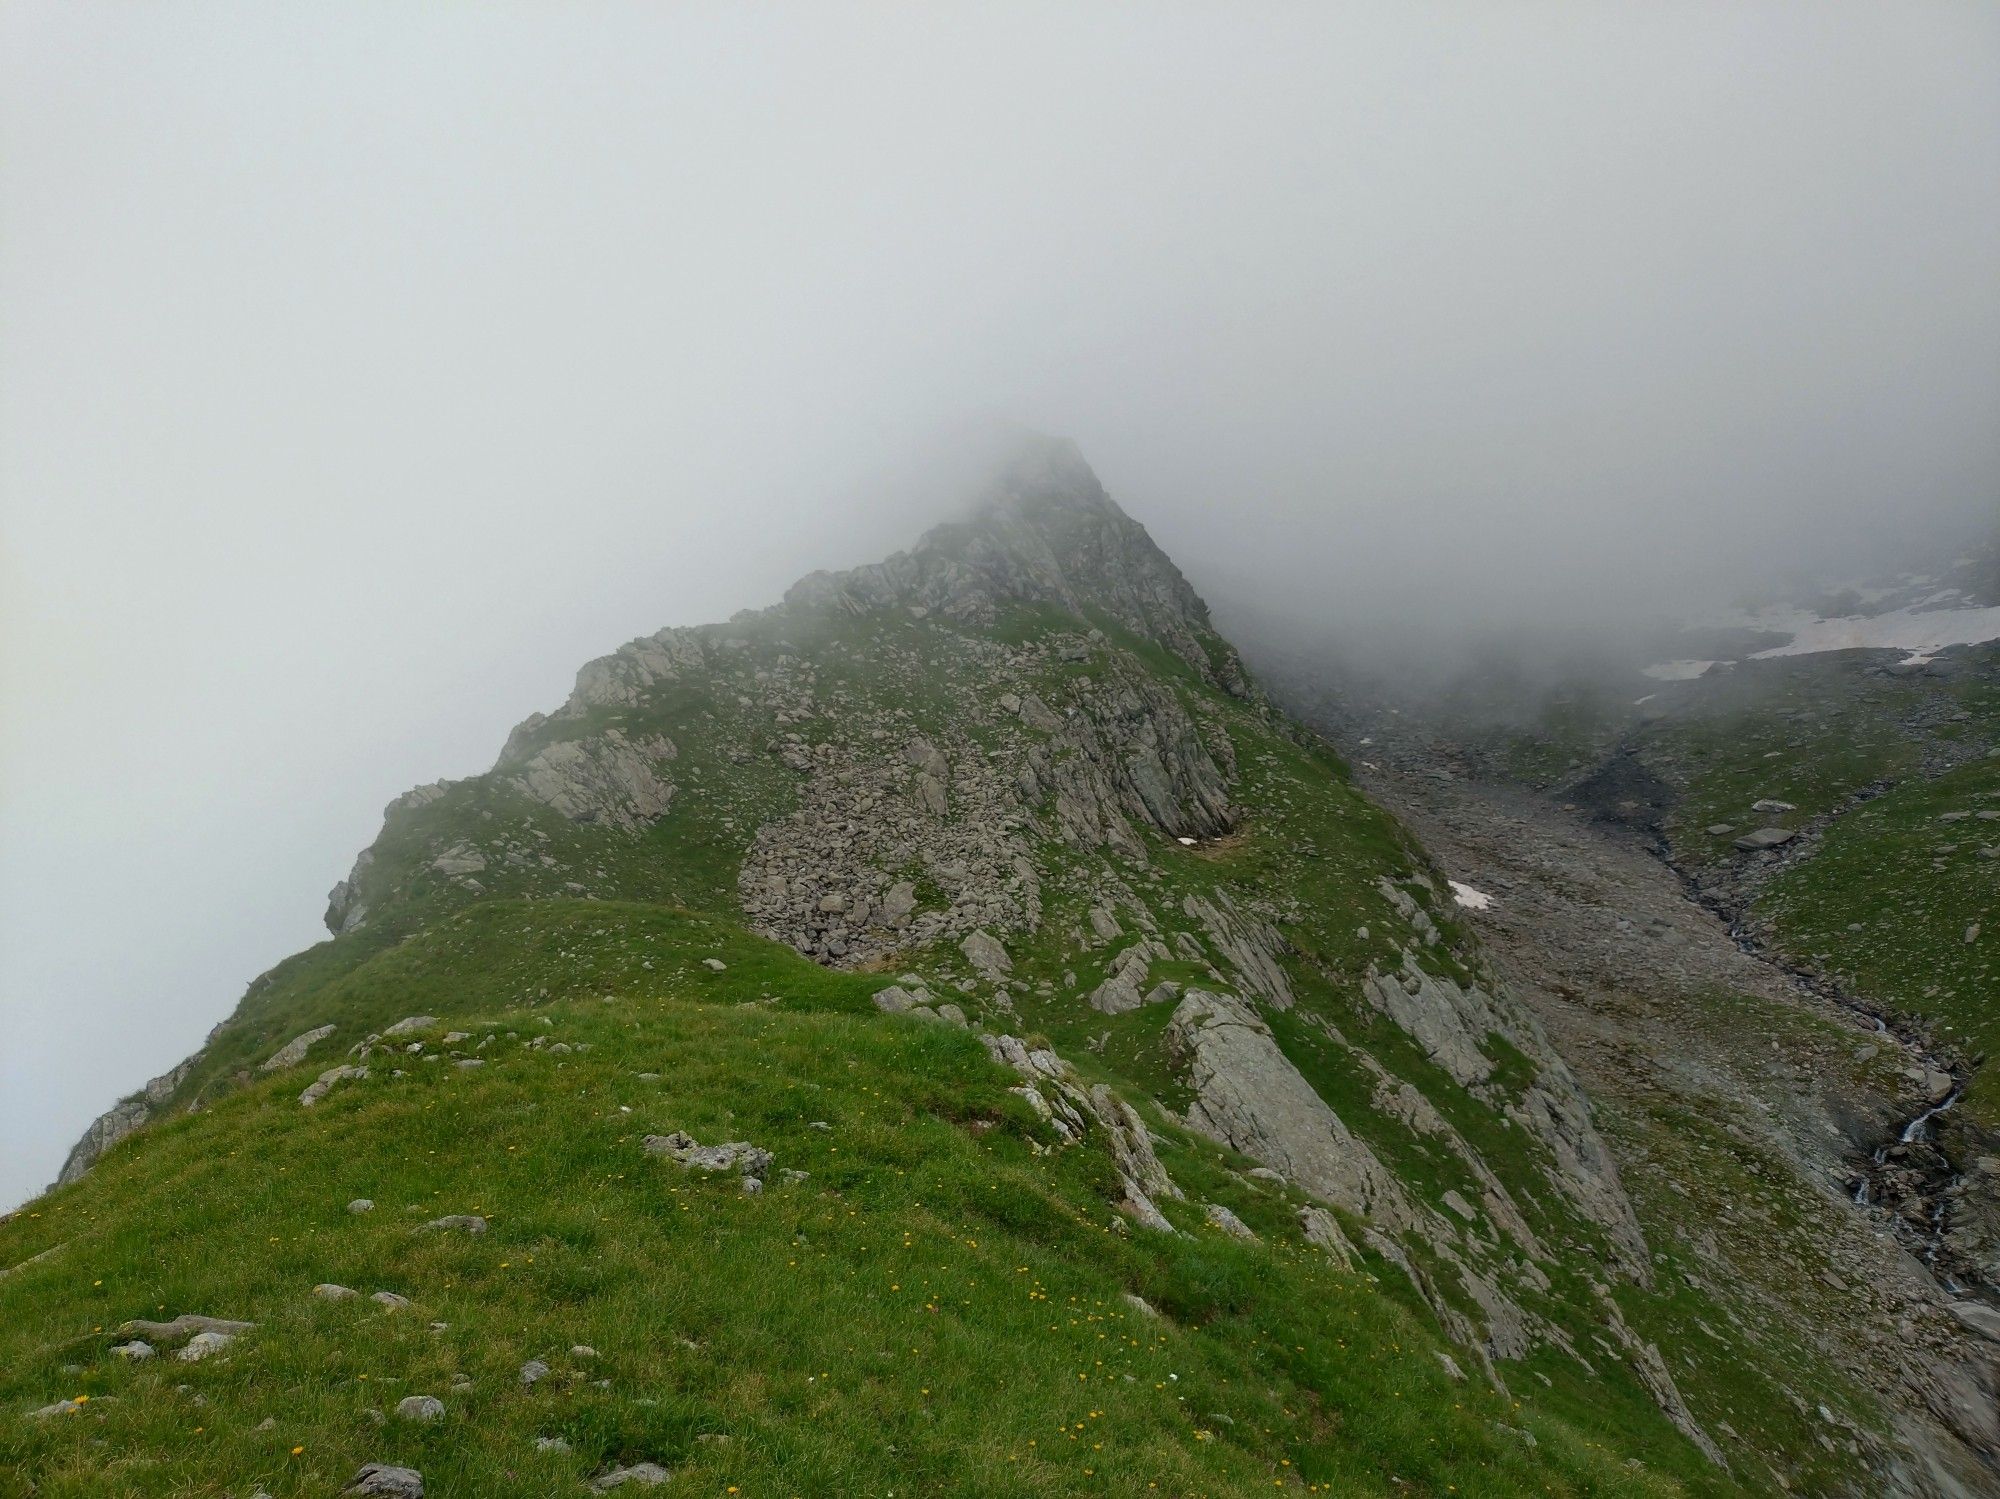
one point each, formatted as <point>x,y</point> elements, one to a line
<point>952,1033</point>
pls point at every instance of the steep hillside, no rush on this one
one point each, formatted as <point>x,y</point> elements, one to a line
<point>946,1033</point>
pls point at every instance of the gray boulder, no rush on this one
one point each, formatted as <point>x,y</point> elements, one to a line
<point>204,1344</point>
<point>470,1223</point>
<point>646,1475</point>
<point>294,1051</point>
<point>690,1154</point>
<point>984,951</point>
<point>1220,1217</point>
<point>1765,838</point>
<point>321,1086</point>
<point>382,1481</point>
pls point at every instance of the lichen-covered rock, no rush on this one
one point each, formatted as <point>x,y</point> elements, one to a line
<point>420,1408</point>
<point>1074,1108</point>
<point>607,778</point>
<point>644,1475</point>
<point>1124,986</point>
<point>320,1086</point>
<point>1222,1218</point>
<point>987,954</point>
<point>384,1481</point>
<point>686,1152</point>
<point>465,1223</point>
<point>204,1345</point>
<point>294,1051</point>
<point>1249,1096</point>
<point>115,1123</point>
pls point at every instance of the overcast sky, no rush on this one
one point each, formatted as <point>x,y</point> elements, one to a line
<point>365,369</point>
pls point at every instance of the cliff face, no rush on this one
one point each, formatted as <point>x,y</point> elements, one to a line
<point>1011,783</point>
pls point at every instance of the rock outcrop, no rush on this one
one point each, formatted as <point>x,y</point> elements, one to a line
<point>115,1123</point>
<point>1249,1096</point>
<point>607,779</point>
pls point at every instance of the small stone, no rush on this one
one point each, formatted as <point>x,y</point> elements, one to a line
<point>410,1023</point>
<point>294,1051</point>
<point>319,1087</point>
<point>361,1205</point>
<point>135,1352</point>
<point>386,1482</point>
<point>203,1344</point>
<point>984,951</point>
<point>534,1369</point>
<point>646,1475</point>
<point>326,1290</point>
<point>60,1408</point>
<point>895,1000</point>
<point>551,1444</point>
<point>714,965</point>
<point>420,1408</point>
<point>583,1350</point>
<point>791,1176</point>
<point>752,1185</point>
<point>1765,838</point>
<point>269,1423</point>
<point>1228,1222</point>
<point>391,1300</point>
<point>470,1223</point>
<point>689,1154</point>
<point>1977,1316</point>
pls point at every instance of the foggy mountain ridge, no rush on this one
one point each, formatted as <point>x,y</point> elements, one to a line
<point>1411,905</point>
<point>1015,765</point>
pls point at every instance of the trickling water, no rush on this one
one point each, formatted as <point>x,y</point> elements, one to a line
<point>1917,1131</point>
<point>1919,1128</point>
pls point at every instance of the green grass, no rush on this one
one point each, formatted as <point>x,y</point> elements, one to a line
<point>942,1300</point>
<point>940,1308</point>
<point>1889,898</point>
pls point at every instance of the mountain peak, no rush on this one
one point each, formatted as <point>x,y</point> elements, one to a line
<point>1041,530</point>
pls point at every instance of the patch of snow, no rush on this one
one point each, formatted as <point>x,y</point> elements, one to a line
<point>1919,633</point>
<point>1471,899</point>
<point>1187,843</point>
<point>1676,671</point>
<point>1638,701</point>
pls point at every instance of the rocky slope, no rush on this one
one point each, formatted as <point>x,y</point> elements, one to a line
<point>1113,969</point>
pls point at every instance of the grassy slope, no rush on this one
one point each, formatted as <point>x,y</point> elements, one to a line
<point>1888,903</point>
<point>801,1359</point>
<point>1884,902</point>
<point>941,1299</point>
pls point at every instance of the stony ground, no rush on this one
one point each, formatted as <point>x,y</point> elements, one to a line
<point>1723,1081</point>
